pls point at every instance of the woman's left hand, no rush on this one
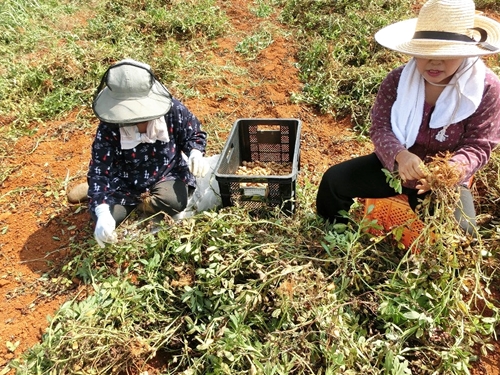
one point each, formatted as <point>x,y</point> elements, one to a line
<point>422,186</point>
<point>198,165</point>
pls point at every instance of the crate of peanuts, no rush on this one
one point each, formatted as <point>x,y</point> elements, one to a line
<point>259,164</point>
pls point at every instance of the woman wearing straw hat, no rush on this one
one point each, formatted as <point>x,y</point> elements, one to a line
<point>443,99</point>
<point>137,153</point>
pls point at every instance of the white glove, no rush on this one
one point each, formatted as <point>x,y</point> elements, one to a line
<point>198,165</point>
<point>105,226</point>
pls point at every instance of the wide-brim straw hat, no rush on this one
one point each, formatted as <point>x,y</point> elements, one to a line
<point>129,93</point>
<point>445,29</point>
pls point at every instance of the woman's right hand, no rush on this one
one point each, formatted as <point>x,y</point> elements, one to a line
<point>409,166</point>
<point>104,231</point>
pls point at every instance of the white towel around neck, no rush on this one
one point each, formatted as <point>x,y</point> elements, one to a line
<point>156,130</point>
<point>459,99</point>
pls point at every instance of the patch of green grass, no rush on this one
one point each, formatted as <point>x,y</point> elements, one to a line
<point>487,4</point>
<point>38,60</point>
<point>340,62</point>
<point>264,8</point>
<point>251,45</point>
<point>50,67</point>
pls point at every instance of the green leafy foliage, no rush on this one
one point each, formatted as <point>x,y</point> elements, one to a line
<point>226,292</point>
<point>251,45</point>
<point>393,180</point>
<point>340,62</point>
<point>50,67</point>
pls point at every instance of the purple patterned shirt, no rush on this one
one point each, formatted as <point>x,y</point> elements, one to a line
<point>471,141</point>
<point>118,176</point>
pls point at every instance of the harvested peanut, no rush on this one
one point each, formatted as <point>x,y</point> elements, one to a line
<point>260,168</point>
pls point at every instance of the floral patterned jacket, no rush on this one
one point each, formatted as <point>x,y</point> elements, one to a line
<point>119,176</point>
<point>470,141</point>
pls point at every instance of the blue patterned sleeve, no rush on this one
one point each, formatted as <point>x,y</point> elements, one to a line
<point>105,149</point>
<point>190,134</point>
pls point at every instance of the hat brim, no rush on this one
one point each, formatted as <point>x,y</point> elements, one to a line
<point>132,110</point>
<point>399,37</point>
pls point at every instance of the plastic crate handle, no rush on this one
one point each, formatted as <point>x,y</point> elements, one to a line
<point>230,153</point>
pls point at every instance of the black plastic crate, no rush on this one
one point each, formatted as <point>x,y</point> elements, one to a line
<point>263,140</point>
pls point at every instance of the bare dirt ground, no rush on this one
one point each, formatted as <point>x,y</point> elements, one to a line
<point>37,224</point>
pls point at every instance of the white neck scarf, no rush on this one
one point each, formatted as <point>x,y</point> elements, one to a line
<point>459,99</point>
<point>156,131</point>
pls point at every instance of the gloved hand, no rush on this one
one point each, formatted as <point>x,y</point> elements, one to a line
<point>198,165</point>
<point>105,227</point>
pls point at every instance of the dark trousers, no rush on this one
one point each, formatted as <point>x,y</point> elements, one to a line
<point>169,196</point>
<point>362,177</point>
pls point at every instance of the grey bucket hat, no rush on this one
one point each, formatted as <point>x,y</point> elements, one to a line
<point>130,93</point>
